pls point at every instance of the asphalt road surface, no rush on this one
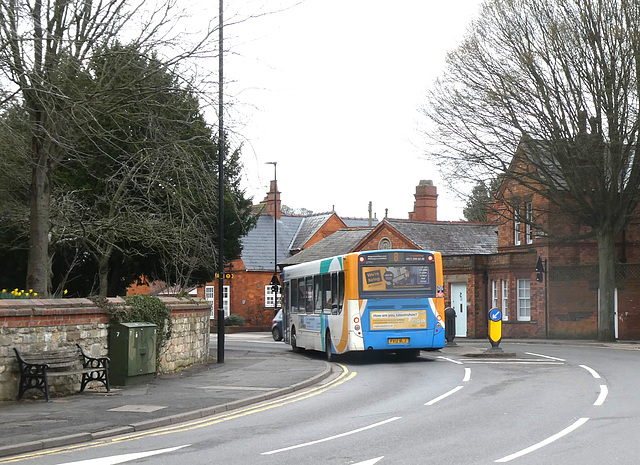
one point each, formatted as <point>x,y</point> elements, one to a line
<point>564,404</point>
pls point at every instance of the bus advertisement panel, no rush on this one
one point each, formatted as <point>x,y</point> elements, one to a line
<point>377,300</point>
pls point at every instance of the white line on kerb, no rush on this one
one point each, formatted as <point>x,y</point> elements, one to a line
<point>467,375</point>
<point>604,390</point>
<point>348,433</point>
<point>546,356</point>
<point>546,442</point>
<point>593,372</point>
<point>446,394</point>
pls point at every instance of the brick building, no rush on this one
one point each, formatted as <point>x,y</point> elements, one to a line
<point>248,293</point>
<point>565,304</point>
<point>466,249</point>
<point>494,264</point>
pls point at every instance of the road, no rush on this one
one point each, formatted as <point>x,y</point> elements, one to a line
<point>550,404</point>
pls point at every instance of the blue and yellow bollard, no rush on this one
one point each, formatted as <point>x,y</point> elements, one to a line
<point>495,328</point>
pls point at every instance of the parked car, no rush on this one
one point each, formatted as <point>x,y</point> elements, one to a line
<point>276,326</point>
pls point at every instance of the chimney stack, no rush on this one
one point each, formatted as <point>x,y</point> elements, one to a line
<point>425,207</point>
<point>273,207</point>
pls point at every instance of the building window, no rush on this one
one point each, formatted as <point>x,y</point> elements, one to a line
<point>494,294</point>
<point>269,296</point>
<point>384,244</point>
<point>528,231</point>
<point>209,296</point>
<point>505,299</point>
<point>226,296</point>
<point>524,300</point>
<point>516,226</point>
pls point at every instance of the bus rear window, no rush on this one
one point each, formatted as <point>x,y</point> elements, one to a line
<point>406,279</point>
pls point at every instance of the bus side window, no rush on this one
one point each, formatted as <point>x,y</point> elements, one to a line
<point>301,296</point>
<point>294,295</point>
<point>326,293</point>
<point>340,291</point>
<point>309,294</point>
<point>317,294</point>
<point>334,293</point>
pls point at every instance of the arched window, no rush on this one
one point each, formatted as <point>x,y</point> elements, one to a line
<point>384,244</point>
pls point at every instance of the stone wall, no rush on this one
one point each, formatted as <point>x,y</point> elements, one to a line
<point>189,344</point>
<point>39,325</point>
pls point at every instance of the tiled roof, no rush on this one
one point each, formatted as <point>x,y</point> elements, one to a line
<point>359,222</point>
<point>340,242</point>
<point>258,244</point>
<point>308,227</point>
<point>450,238</point>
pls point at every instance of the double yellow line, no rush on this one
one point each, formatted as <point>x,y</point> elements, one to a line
<point>346,375</point>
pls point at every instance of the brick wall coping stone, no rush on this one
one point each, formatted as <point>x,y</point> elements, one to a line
<point>29,307</point>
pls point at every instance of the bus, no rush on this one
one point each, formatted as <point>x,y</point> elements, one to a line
<point>383,300</point>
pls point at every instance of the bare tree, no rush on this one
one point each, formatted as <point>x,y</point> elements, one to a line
<point>37,40</point>
<point>526,80</point>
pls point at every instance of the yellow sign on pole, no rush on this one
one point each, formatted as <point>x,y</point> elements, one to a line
<point>226,275</point>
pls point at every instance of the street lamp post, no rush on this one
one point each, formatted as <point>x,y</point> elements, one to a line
<point>221,144</point>
<point>274,280</point>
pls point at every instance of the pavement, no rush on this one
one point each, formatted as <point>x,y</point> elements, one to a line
<point>245,378</point>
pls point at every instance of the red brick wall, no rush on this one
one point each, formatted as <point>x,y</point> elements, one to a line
<point>246,294</point>
<point>629,310</point>
<point>573,310</point>
<point>398,241</point>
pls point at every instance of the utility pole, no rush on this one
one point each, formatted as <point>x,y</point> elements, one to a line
<point>221,144</point>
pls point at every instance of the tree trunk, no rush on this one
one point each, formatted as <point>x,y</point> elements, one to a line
<point>607,284</point>
<point>103,274</point>
<point>38,267</point>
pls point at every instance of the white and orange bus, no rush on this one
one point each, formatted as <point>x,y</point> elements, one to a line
<point>390,300</point>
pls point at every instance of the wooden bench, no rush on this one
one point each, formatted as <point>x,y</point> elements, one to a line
<point>36,369</point>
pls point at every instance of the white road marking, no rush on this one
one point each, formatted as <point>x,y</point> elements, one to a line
<point>330,438</point>
<point>467,375</point>
<point>593,372</point>
<point>446,394</point>
<point>370,462</point>
<point>514,362</point>
<point>114,459</point>
<point>450,360</point>
<point>546,356</point>
<point>603,395</point>
<point>546,442</point>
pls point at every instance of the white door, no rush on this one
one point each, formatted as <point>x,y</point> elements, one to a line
<point>459,304</point>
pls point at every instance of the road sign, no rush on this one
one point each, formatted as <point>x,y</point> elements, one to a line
<point>495,327</point>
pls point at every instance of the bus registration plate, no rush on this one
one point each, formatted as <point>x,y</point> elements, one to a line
<point>399,340</point>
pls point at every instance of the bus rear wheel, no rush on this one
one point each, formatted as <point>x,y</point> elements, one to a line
<point>327,347</point>
<point>294,343</point>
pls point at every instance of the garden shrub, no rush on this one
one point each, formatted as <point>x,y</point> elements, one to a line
<point>234,320</point>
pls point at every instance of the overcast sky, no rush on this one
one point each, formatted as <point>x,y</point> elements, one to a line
<point>331,91</point>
